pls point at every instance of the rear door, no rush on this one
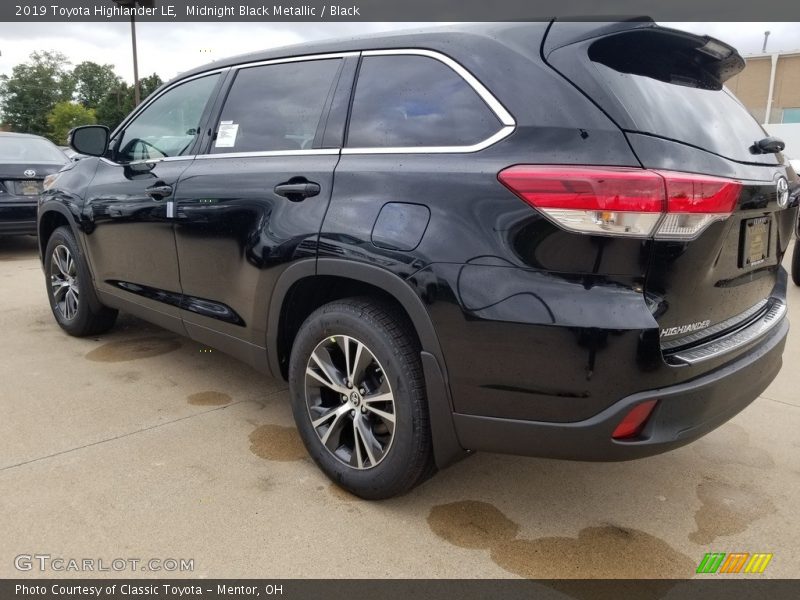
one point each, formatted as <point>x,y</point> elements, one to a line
<point>715,260</point>
<point>254,201</point>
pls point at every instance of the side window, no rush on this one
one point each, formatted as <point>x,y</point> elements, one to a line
<point>410,101</point>
<point>275,107</point>
<point>169,125</point>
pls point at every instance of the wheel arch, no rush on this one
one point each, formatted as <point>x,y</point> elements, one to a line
<point>358,279</point>
<point>50,218</point>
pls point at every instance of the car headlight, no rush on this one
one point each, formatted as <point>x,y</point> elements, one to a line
<point>49,181</point>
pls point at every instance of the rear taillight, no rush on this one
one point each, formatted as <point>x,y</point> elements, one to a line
<point>623,200</point>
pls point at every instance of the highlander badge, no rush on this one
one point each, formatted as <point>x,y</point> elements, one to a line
<point>668,331</point>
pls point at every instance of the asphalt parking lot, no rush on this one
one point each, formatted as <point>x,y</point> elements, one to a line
<point>142,444</point>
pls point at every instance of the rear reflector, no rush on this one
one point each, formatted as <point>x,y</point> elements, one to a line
<point>623,200</point>
<point>633,423</point>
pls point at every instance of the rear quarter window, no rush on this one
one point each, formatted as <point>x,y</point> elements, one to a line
<point>407,101</point>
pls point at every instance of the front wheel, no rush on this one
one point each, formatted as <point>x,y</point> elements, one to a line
<point>796,262</point>
<point>358,398</point>
<point>70,289</point>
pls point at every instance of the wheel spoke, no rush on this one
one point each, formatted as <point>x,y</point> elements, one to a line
<point>361,361</point>
<point>329,376</point>
<point>387,417</point>
<point>70,303</point>
<point>357,447</point>
<point>60,288</point>
<point>331,441</point>
<point>58,259</point>
<point>385,397</point>
<point>369,440</point>
<point>334,412</point>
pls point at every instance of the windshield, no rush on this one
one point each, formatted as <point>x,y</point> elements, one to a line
<point>29,150</point>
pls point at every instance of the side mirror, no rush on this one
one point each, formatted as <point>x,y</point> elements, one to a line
<point>89,139</point>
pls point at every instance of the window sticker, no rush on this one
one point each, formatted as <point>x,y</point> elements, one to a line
<point>226,135</point>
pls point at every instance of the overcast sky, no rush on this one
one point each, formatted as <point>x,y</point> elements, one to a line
<point>168,48</point>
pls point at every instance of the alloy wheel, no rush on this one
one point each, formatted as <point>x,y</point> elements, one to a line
<point>64,282</point>
<point>350,401</point>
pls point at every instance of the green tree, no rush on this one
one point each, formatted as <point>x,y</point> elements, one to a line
<point>93,82</point>
<point>118,102</point>
<point>66,116</point>
<point>33,89</point>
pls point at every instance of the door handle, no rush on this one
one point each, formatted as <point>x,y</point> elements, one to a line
<point>159,191</point>
<point>297,189</point>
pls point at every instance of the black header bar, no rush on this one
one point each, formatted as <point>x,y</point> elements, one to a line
<point>395,10</point>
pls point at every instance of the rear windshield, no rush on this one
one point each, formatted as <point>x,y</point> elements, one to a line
<point>29,150</point>
<point>710,119</point>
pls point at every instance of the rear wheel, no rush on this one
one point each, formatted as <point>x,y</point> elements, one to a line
<point>70,289</point>
<point>796,262</point>
<point>358,398</point>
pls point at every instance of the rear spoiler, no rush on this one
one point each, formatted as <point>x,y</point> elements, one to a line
<point>641,47</point>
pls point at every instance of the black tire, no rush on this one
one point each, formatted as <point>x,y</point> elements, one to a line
<point>796,262</point>
<point>387,337</point>
<point>85,315</point>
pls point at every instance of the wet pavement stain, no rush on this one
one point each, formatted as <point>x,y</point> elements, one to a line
<point>274,442</point>
<point>727,509</point>
<point>730,444</point>
<point>124,350</point>
<point>607,551</point>
<point>471,524</point>
<point>209,398</point>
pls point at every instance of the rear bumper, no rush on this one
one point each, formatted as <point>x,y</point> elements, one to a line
<point>684,413</point>
<point>18,217</point>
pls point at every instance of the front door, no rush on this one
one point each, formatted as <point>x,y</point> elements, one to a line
<point>130,204</point>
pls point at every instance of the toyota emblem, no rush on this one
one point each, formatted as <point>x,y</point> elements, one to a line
<point>783,192</point>
<point>29,173</point>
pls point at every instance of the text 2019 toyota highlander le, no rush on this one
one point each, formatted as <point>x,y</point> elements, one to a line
<point>552,239</point>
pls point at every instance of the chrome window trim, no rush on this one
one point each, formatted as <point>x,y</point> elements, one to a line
<point>267,153</point>
<point>149,161</point>
<point>291,59</point>
<point>505,117</point>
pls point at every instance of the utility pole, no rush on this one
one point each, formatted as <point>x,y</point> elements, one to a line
<point>764,47</point>
<point>137,88</point>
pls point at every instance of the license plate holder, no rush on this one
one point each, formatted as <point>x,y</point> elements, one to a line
<point>755,241</point>
<point>29,187</point>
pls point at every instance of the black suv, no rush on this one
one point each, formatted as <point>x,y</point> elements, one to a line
<point>553,239</point>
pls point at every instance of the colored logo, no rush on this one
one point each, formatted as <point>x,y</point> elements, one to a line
<point>734,562</point>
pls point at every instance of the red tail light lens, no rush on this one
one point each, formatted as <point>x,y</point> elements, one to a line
<point>623,200</point>
<point>611,188</point>
<point>633,423</point>
<point>688,193</point>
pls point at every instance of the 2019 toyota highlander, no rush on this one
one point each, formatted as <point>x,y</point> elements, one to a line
<point>552,239</point>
